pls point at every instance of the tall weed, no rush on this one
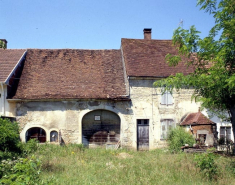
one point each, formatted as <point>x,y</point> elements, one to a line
<point>178,137</point>
<point>207,165</point>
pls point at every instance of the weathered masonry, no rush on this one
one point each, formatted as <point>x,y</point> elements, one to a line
<point>94,97</point>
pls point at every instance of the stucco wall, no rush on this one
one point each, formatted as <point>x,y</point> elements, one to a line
<point>66,116</point>
<point>6,108</point>
<point>146,104</point>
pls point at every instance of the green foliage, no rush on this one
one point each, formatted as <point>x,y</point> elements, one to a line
<point>231,167</point>
<point>207,165</point>
<point>2,44</point>
<point>9,137</point>
<point>77,147</point>
<point>213,59</point>
<point>69,165</point>
<point>20,171</point>
<point>30,147</point>
<point>178,137</point>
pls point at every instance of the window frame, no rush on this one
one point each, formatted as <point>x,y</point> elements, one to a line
<point>225,132</point>
<point>167,98</point>
<point>169,124</point>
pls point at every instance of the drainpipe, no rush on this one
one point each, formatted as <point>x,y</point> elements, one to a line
<point>3,98</point>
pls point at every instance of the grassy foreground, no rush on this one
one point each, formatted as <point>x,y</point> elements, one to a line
<point>74,165</point>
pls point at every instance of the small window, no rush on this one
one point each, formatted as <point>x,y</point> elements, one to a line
<point>142,121</point>
<point>54,136</point>
<point>202,138</point>
<point>167,98</point>
<point>97,118</point>
<point>166,126</point>
<point>225,132</point>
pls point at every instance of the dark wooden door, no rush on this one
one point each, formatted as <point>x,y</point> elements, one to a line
<point>142,137</point>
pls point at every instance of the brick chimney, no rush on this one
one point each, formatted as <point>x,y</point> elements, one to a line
<point>5,42</point>
<point>147,33</point>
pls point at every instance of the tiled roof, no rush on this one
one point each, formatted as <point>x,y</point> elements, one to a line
<point>146,58</point>
<point>196,119</point>
<point>72,74</point>
<point>8,60</point>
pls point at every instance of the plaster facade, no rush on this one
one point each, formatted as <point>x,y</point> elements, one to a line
<point>6,108</point>
<point>66,116</point>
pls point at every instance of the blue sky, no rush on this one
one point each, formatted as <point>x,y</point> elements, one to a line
<point>94,24</point>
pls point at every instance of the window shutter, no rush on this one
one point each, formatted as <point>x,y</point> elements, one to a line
<point>163,99</point>
<point>169,98</point>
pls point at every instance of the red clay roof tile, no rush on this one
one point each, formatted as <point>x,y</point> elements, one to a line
<point>8,60</point>
<point>72,74</point>
<point>147,58</point>
<point>196,119</point>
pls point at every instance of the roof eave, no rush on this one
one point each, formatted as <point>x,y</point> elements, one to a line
<point>70,99</point>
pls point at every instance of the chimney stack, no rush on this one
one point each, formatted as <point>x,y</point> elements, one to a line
<point>147,33</point>
<point>5,42</point>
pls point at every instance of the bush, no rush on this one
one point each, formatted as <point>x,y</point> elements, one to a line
<point>9,137</point>
<point>20,171</point>
<point>29,147</point>
<point>178,137</point>
<point>206,163</point>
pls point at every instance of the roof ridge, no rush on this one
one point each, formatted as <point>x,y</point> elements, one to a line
<point>148,40</point>
<point>75,49</point>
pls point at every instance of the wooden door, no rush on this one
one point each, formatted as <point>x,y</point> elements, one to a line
<point>142,135</point>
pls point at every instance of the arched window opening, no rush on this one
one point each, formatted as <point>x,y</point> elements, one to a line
<point>54,136</point>
<point>36,133</point>
<point>100,128</point>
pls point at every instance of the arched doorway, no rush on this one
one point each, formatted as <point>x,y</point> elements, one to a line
<point>36,133</point>
<point>100,127</point>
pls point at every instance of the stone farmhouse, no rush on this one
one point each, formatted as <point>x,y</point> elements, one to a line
<point>97,97</point>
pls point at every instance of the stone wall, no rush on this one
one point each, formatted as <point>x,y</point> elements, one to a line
<point>146,104</point>
<point>66,116</point>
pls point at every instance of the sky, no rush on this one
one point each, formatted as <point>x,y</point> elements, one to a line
<point>94,24</point>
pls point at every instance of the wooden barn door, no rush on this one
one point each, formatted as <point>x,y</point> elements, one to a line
<point>142,134</point>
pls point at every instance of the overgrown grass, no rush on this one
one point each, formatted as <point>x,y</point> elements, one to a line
<point>74,165</point>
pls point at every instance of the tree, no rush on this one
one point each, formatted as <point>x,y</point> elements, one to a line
<point>2,44</point>
<point>213,59</point>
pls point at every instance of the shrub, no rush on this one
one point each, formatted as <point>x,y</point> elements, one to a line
<point>206,163</point>
<point>29,147</point>
<point>179,137</point>
<point>9,137</point>
<point>20,171</point>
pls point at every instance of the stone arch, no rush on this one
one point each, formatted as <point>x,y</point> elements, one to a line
<point>36,133</point>
<point>100,127</point>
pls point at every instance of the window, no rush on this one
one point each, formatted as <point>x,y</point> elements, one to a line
<point>142,121</point>
<point>54,136</point>
<point>166,126</point>
<point>202,138</point>
<point>225,132</point>
<point>36,133</point>
<point>167,98</point>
